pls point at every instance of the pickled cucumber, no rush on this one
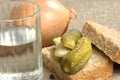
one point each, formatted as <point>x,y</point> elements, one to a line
<point>76,59</point>
<point>70,38</point>
<point>60,50</point>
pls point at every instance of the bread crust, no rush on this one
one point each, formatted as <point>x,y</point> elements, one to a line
<point>104,38</point>
<point>99,67</point>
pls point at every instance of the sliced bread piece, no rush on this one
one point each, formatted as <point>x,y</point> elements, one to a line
<point>104,38</point>
<point>99,67</point>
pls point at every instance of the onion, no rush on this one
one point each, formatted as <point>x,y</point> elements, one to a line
<point>55,19</point>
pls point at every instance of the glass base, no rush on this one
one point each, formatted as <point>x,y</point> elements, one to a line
<point>35,75</point>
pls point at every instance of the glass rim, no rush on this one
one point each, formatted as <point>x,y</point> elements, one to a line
<point>24,18</point>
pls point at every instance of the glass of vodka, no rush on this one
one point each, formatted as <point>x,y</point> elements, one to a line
<point>20,41</point>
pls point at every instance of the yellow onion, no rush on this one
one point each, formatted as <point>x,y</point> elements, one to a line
<point>55,18</point>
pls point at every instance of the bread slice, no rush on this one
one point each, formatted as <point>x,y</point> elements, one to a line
<point>104,38</point>
<point>99,67</point>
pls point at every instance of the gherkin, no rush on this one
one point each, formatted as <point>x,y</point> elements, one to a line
<point>70,38</point>
<point>76,59</point>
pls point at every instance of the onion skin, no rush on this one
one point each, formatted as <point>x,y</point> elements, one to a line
<point>55,19</point>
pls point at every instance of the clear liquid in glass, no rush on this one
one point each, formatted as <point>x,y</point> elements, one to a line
<point>19,54</point>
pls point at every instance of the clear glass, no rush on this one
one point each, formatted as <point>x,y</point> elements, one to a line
<point>20,41</point>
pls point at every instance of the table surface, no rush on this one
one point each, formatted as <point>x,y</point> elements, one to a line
<point>106,12</point>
